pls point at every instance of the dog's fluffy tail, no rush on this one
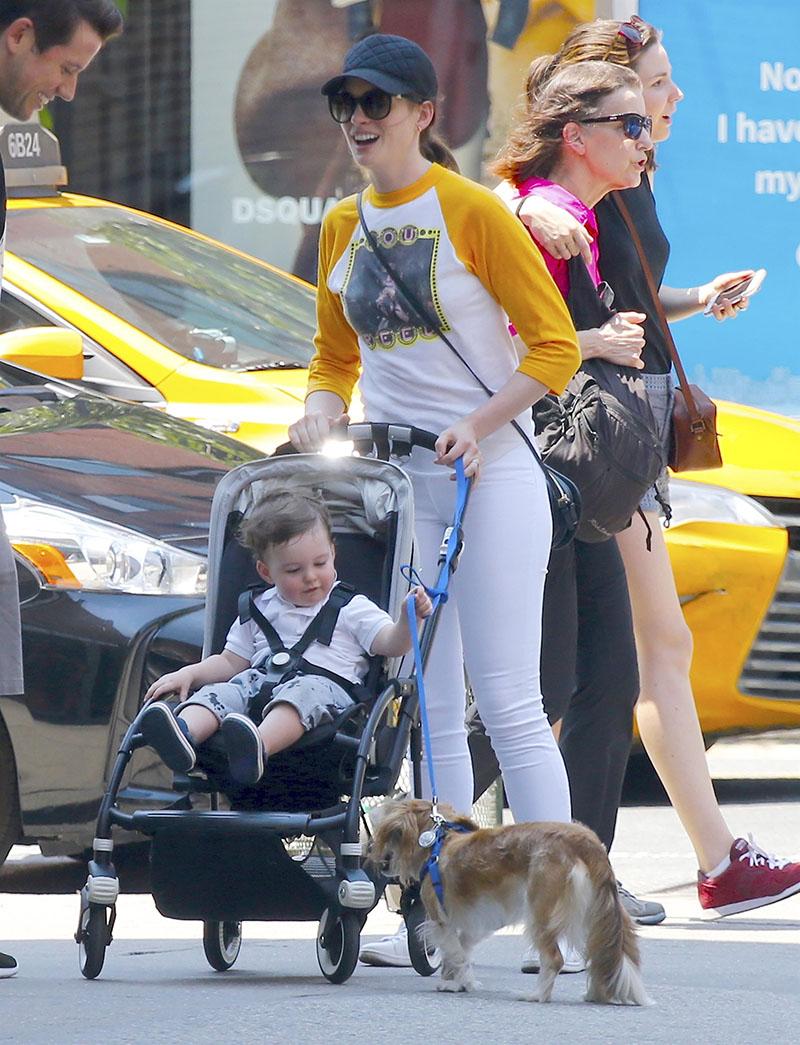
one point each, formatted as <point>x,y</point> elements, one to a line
<point>612,950</point>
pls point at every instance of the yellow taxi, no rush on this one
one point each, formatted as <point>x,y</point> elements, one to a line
<point>735,549</point>
<point>145,310</point>
<point>166,316</point>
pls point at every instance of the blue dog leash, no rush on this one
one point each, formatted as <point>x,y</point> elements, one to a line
<point>451,548</point>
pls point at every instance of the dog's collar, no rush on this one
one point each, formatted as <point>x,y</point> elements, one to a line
<point>431,865</point>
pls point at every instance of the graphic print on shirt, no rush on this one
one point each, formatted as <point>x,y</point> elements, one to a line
<point>374,305</point>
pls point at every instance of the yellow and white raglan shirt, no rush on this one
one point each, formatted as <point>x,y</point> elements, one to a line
<point>471,263</point>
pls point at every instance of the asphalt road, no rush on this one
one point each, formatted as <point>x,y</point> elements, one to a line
<point>719,983</point>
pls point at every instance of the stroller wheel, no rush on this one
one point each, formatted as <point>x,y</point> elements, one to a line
<point>93,937</point>
<point>337,944</point>
<point>222,942</point>
<point>425,958</point>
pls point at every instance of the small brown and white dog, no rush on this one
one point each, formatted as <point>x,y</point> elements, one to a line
<point>555,878</point>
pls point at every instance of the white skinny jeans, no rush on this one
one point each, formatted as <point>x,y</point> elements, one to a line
<point>492,624</point>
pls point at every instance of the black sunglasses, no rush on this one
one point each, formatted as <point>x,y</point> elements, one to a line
<point>632,123</point>
<point>375,104</point>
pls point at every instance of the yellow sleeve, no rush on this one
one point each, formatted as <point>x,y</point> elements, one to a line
<point>495,247</point>
<point>337,359</point>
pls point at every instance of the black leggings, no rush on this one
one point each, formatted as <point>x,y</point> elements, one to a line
<point>590,680</point>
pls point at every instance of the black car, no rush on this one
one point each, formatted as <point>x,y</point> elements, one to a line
<point>107,507</point>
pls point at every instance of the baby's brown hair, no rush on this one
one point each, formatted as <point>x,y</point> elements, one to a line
<point>281,514</point>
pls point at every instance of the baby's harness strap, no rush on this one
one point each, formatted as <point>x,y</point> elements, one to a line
<point>284,664</point>
<point>431,865</point>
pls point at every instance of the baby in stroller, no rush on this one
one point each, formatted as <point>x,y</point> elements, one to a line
<point>292,657</point>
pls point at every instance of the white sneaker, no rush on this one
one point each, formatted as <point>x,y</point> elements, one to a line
<point>390,950</point>
<point>573,960</point>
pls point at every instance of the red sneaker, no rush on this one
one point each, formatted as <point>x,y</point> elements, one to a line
<point>754,879</point>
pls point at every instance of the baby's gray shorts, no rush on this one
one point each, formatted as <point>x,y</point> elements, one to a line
<point>318,700</point>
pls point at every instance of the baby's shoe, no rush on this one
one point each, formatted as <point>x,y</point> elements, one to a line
<point>169,736</point>
<point>246,755</point>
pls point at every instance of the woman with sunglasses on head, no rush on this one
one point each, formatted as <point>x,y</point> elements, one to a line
<point>585,135</point>
<point>472,264</point>
<point>734,873</point>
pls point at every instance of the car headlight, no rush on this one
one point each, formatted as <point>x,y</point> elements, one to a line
<point>701,502</point>
<point>71,550</point>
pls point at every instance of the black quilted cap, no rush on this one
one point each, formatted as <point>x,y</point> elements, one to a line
<point>393,63</point>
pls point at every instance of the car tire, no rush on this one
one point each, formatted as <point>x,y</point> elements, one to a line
<point>10,822</point>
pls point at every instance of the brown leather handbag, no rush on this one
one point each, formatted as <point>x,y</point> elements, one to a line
<point>694,444</point>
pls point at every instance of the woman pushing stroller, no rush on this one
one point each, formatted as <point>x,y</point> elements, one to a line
<point>471,263</point>
<point>289,533</point>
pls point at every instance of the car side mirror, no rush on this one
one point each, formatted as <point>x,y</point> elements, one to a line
<point>48,350</point>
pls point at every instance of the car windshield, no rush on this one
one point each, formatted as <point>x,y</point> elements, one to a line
<point>205,302</point>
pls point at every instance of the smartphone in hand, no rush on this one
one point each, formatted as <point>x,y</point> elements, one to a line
<point>745,288</point>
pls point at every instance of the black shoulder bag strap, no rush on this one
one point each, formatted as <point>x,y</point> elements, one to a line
<point>566,497</point>
<point>431,322</point>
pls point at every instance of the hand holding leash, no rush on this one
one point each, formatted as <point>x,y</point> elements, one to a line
<point>460,441</point>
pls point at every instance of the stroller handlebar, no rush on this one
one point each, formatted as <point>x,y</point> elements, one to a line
<point>385,439</point>
<point>388,439</point>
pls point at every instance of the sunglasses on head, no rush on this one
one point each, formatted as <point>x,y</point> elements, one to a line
<point>631,33</point>
<point>375,104</point>
<point>633,123</point>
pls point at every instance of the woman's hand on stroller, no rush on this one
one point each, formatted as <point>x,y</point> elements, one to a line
<point>460,440</point>
<point>312,430</point>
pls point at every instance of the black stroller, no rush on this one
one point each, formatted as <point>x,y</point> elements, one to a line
<point>291,847</point>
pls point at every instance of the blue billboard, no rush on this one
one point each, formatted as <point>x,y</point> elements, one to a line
<point>728,188</point>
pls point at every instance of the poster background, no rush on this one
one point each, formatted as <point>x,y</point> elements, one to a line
<point>272,209</point>
<point>219,51</point>
<point>707,202</point>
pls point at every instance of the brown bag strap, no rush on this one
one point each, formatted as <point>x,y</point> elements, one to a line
<point>683,381</point>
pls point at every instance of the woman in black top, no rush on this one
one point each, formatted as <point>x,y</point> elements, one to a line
<point>563,151</point>
<point>735,874</point>
<point>567,150</point>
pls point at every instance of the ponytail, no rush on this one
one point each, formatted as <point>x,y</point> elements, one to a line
<point>434,149</point>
